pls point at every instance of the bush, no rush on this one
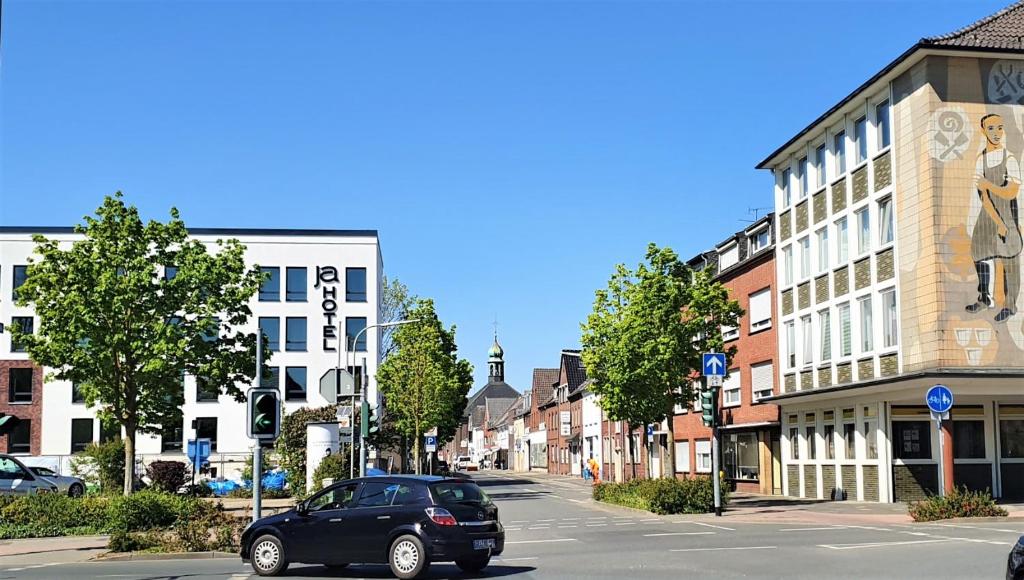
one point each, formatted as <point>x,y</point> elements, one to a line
<point>102,464</point>
<point>242,492</point>
<point>334,466</point>
<point>662,496</point>
<point>198,490</point>
<point>959,503</point>
<point>291,445</point>
<point>166,475</point>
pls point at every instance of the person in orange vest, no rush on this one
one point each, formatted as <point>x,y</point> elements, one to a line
<point>595,470</point>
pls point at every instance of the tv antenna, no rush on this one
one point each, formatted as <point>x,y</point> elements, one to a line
<point>755,211</point>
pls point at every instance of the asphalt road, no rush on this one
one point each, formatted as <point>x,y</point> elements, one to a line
<point>554,531</point>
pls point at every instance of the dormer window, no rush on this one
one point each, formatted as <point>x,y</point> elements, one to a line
<point>759,240</point>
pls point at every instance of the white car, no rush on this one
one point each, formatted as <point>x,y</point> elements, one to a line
<point>463,462</point>
<point>16,479</point>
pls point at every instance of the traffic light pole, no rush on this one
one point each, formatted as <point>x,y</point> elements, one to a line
<point>257,454</point>
<point>364,419</point>
<point>715,468</point>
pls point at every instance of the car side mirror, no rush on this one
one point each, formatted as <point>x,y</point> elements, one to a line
<point>302,508</point>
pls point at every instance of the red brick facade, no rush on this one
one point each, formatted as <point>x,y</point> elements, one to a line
<point>30,411</point>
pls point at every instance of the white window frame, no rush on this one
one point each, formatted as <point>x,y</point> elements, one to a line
<point>845,350</point>
<point>755,246</point>
<point>805,257</point>
<point>790,338</point>
<point>825,330</point>
<point>760,393</point>
<point>820,175</point>
<point>823,249</point>
<point>807,340</point>
<point>682,456</point>
<point>890,319</point>
<point>785,185</point>
<point>879,147</point>
<point>865,313</point>
<point>787,264</point>
<point>840,157</point>
<point>863,234</point>
<point>732,251</point>
<point>802,166</point>
<point>703,454</point>
<point>885,222</point>
<point>842,226</point>
<point>730,332</point>
<point>857,143</point>
<point>760,322</point>
<point>732,391</point>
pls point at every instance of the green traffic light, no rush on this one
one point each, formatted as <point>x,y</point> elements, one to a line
<point>264,414</point>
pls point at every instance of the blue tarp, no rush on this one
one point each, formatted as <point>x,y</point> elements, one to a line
<point>271,480</point>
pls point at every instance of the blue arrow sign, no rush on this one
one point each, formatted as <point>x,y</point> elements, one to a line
<point>650,430</point>
<point>939,399</point>
<point>714,364</point>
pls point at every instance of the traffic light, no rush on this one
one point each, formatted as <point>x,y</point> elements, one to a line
<point>369,422</point>
<point>707,406</point>
<point>264,414</point>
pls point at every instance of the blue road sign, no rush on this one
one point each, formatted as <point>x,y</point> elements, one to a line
<point>198,450</point>
<point>650,430</point>
<point>939,399</point>
<point>714,364</point>
<point>431,443</point>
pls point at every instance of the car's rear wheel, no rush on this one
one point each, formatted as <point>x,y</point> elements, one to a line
<point>407,558</point>
<point>267,556</point>
<point>76,490</point>
<point>474,564</point>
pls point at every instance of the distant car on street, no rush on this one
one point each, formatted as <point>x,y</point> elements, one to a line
<point>463,462</point>
<point>67,484</point>
<point>16,479</point>
<point>405,521</point>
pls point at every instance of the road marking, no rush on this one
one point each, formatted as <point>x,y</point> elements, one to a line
<point>881,544</point>
<point>706,525</point>
<point>872,528</point>
<point>512,529</point>
<point>626,524</point>
<point>575,500</point>
<point>572,526</point>
<point>544,527</point>
<point>679,534</point>
<point>650,520</point>
<point>542,541</point>
<point>719,549</point>
<point>516,559</point>
<point>519,522</point>
<point>569,519</point>
<point>595,525</point>
<point>15,569</point>
<point>551,520</point>
<point>598,518</point>
<point>978,528</point>
<point>811,529</point>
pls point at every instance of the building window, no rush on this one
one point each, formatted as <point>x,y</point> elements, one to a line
<point>794,442</point>
<point>829,435</point>
<point>26,326</point>
<point>20,276</point>
<point>882,124</point>
<point>295,285</point>
<point>845,340</point>
<point>850,433</point>
<point>170,272</point>
<point>968,440</point>
<point>81,434</point>
<point>809,433</point>
<point>295,383</point>
<point>740,456</point>
<point>759,240</point>
<point>866,327</point>
<point>860,138</point>
<point>353,326</point>
<point>822,249</point>
<point>808,340</point>
<point>295,334</point>
<point>760,304</point>
<point>842,241</point>
<point>912,439</point>
<point>19,440</point>
<point>731,389</point>
<point>355,284</point>
<point>270,290</point>
<point>109,431</point>
<point>801,167</point>
<point>805,257</point>
<point>839,147</point>
<point>730,332</point>
<point>682,456</point>
<point>19,385</point>
<point>885,233</point>
<point>171,436</point>
<point>890,336</point>
<point>272,380</point>
<point>863,231</point>
<point>703,456</point>
<point>729,256</point>
<point>206,393</point>
<point>787,264</point>
<point>206,428</point>
<point>271,328</point>
<point>1011,438</point>
<point>762,380</point>
<point>786,195</point>
<point>76,394</point>
<point>825,334</point>
<point>819,165</point>
<point>790,345</point>
<point>870,432</point>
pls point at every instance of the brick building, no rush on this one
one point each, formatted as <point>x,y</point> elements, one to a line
<point>21,397</point>
<point>537,420</point>
<point>744,263</point>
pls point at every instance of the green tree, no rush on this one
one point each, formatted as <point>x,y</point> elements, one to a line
<point>115,325</point>
<point>642,342</point>
<point>424,383</point>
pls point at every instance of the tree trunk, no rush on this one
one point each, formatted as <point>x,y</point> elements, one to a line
<point>129,459</point>
<point>416,454</point>
<point>404,451</point>
<point>632,449</point>
<point>672,443</point>
<point>649,453</point>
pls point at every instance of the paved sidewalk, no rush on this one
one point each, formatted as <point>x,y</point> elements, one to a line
<point>38,551</point>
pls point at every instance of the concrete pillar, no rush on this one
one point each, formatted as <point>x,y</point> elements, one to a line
<point>947,455</point>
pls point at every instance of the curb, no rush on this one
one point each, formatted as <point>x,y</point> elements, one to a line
<point>150,556</point>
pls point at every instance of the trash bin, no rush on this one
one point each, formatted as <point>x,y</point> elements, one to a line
<point>1015,563</point>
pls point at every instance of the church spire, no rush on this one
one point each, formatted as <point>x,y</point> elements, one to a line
<point>496,362</point>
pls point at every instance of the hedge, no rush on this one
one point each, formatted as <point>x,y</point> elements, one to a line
<point>960,503</point>
<point>662,496</point>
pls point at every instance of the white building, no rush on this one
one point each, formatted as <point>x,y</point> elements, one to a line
<point>592,435</point>
<point>318,280</point>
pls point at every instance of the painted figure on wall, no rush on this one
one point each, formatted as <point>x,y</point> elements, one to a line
<point>996,240</point>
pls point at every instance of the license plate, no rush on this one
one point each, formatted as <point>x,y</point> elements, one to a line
<point>483,544</point>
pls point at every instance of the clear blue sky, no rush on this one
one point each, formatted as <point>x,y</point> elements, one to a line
<point>509,153</point>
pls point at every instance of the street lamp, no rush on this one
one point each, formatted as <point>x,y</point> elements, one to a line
<point>362,385</point>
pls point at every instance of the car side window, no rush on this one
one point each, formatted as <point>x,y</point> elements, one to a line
<point>334,499</point>
<point>42,471</point>
<point>410,495</point>
<point>377,494</point>
<point>10,470</point>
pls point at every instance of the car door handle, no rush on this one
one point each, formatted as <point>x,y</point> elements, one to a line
<point>383,517</point>
<point>334,520</point>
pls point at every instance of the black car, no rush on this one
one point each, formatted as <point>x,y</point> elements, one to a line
<point>405,521</point>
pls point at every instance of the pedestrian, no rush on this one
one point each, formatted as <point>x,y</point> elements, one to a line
<point>595,470</point>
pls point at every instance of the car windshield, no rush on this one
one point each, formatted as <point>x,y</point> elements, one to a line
<point>459,492</point>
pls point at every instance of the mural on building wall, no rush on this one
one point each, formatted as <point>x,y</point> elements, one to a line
<point>968,152</point>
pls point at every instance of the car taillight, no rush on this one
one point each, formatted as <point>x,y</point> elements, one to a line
<point>441,517</point>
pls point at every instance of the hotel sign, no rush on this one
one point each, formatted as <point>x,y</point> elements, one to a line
<point>327,278</point>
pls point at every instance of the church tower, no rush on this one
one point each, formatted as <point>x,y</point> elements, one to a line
<point>496,363</point>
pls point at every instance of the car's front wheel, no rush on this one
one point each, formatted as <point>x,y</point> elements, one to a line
<point>407,558</point>
<point>267,556</point>
<point>76,490</point>
<point>474,564</point>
